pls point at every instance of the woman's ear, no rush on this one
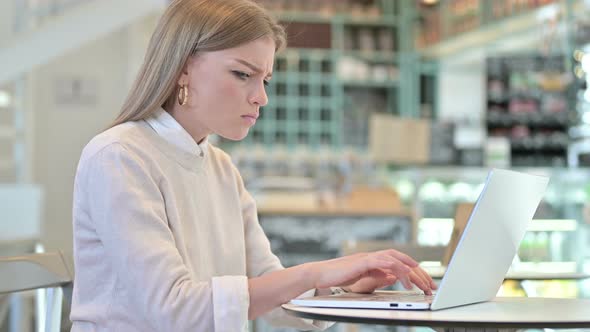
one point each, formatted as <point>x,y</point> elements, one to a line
<point>184,75</point>
<point>183,79</point>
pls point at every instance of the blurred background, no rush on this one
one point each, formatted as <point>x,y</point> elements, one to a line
<point>385,117</point>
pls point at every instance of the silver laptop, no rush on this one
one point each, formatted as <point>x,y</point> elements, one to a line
<point>485,251</point>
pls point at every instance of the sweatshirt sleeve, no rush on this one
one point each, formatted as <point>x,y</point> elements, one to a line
<point>261,260</point>
<point>128,212</point>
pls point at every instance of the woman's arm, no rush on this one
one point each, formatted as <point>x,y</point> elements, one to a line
<point>270,285</point>
<point>360,273</point>
<point>144,278</point>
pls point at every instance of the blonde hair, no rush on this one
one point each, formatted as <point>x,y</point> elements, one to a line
<point>187,28</point>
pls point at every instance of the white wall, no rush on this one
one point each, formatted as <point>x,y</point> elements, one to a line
<point>6,21</point>
<point>138,40</point>
<point>62,129</point>
<point>461,89</point>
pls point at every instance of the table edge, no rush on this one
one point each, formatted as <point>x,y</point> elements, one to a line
<point>432,323</point>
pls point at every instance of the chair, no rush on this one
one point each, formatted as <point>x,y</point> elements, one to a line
<point>15,305</point>
<point>20,233</point>
<point>49,271</point>
<point>462,213</point>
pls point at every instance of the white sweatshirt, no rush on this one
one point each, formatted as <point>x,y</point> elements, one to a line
<point>165,235</point>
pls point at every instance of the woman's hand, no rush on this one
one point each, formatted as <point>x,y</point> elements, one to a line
<point>365,272</point>
<point>361,273</point>
<point>379,279</point>
<point>371,281</point>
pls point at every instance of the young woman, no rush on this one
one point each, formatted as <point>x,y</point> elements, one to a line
<point>166,237</point>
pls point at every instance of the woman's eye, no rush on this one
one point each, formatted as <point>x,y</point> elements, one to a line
<point>241,75</point>
<point>266,83</point>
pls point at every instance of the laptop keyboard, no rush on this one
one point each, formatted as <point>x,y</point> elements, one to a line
<point>401,297</point>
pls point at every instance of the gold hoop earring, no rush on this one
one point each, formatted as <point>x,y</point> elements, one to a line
<point>183,95</point>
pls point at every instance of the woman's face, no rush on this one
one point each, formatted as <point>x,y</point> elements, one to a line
<point>226,90</point>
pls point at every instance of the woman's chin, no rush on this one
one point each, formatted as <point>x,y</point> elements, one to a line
<point>234,136</point>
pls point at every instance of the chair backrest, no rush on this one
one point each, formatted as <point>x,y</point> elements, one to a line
<point>19,273</point>
<point>20,233</point>
<point>49,271</point>
<point>14,306</point>
<point>462,213</point>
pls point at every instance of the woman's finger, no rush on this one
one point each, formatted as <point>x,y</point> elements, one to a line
<point>420,282</point>
<point>387,264</point>
<point>389,280</point>
<point>377,264</point>
<point>406,282</point>
<point>426,277</point>
<point>394,265</point>
<point>401,257</point>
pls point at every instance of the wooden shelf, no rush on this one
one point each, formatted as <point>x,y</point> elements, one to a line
<point>334,212</point>
<point>311,17</point>
<point>360,202</point>
<point>513,27</point>
<point>371,84</point>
